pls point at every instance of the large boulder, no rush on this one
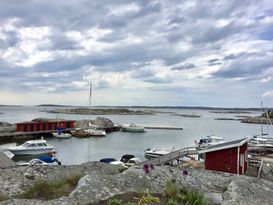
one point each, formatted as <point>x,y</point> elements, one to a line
<point>7,127</point>
<point>99,122</point>
<point>101,181</point>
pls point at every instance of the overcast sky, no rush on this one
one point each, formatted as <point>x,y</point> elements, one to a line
<point>172,52</point>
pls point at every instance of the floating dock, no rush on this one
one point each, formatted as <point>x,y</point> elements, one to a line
<point>162,127</point>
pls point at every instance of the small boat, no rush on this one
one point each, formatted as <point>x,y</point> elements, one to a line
<point>258,139</point>
<point>41,161</point>
<point>132,128</point>
<point>61,134</point>
<point>209,141</point>
<point>32,147</point>
<point>154,153</point>
<point>115,162</point>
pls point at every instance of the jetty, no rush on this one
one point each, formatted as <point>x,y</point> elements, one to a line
<point>175,155</point>
<point>162,127</point>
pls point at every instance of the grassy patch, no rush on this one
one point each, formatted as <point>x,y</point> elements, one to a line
<point>3,197</point>
<point>193,197</point>
<point>51,190</point>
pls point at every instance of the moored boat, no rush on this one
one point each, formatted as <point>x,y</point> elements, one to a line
<point>154,153</point>
<point>132,128</point>
<point>61,134</point>
<point>209,141</point>
<point>32,147</point>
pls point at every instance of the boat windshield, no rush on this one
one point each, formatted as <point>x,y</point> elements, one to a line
<point>27,144</point>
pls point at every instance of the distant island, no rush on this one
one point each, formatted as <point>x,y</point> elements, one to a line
<point>53,105</point>
<point>187,115</point>
<point>95,111</point>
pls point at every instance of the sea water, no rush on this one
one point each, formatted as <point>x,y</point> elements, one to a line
<point>116,144</point>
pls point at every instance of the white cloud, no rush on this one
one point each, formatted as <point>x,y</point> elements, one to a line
<point>268,93</point>
<point>121,10</point>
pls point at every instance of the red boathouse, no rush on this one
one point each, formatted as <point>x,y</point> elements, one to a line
<point>228,157</point>
<point>38,126</point>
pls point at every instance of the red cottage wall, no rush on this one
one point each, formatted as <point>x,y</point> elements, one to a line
<point>226,160</point>
<point>19,128</point>
<point>222,160</point>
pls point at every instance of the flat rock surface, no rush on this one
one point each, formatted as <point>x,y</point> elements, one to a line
<point>101,181</point>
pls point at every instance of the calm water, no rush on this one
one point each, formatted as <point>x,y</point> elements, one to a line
<point>116,144</point>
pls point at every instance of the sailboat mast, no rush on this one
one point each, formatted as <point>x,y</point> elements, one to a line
<point>90,95</point>
<point>262,128</point>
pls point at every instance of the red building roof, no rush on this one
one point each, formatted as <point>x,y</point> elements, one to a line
<point>225,145</point>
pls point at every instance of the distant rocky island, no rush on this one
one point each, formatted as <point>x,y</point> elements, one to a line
<point>187,115</point>
<point>99,111</point>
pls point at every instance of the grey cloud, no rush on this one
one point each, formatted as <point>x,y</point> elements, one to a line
<point>230,57</point>
<point>184,67</point>
<point>214,63</point>
<point>213,60</point>
<point>210,34</point>
<point>61,42</point>
<point>248,68</point>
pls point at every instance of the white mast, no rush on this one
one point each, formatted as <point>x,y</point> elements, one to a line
<point>262,128</point>
<point>90,95</point>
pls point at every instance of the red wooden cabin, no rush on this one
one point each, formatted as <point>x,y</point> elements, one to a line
<point>228,157</point>
<point>51,125</point>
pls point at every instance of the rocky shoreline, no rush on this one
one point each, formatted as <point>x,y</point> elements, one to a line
<point>99,182</point>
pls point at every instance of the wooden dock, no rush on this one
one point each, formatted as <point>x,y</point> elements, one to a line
<point>175,155</point>
<point>162,127</point>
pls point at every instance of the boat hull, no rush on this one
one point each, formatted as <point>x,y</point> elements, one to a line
<point>62,135</point>
<point>21,152</point>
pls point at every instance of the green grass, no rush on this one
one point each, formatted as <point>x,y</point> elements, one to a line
<point>115,201</point>
<point>4,197</point>
<point>193,197</point>
<point>171,189</point>
<point>50,190</point>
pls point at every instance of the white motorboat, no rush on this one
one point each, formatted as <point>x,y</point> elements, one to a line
<point>154,153</point>
<point>209,141</point>
<point>132,128</point>
<point>32,147</point>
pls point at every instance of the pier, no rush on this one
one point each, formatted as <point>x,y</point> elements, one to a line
<point>162,127</point>
<point>175,155</point>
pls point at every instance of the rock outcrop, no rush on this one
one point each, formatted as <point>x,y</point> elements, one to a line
<point>7,127</point>
<point>101,181</point>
